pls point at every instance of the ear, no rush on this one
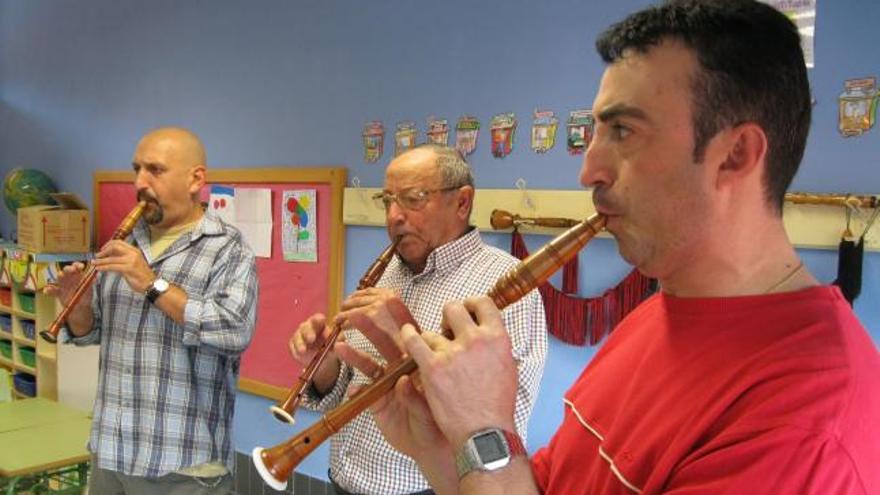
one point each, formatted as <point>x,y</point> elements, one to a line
<point>745,154</point>
<point>197,178</point>
<point>464,201</point>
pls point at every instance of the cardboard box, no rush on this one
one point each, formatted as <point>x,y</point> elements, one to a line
<point>55,229</point>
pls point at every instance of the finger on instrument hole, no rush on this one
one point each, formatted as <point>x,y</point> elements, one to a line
<point>457,318</point>
<point>415,345</point>
<point>359,359</point>
<point>485,310</point>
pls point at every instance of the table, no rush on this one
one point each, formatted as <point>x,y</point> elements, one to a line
<point>44,447</point>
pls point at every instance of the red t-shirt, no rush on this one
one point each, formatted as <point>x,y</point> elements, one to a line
<point>760,394</point>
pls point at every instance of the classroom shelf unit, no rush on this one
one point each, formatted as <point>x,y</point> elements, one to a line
<point>24,312</point>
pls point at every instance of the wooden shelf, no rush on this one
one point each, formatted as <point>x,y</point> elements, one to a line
<point>45,308</point>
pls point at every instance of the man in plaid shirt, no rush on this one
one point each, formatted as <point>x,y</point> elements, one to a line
<point>172,310</point>
<point>427,198</point>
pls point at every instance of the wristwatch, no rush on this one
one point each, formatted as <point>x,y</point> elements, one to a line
<point>488,450</point>
<point>156,289</point>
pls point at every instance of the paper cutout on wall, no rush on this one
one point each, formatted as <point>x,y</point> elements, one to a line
<point>580,131</point>
<point>299,232</point>
<point>253,217</point>
<point>405,136</point>
<point>544,131</point>
<point>438,131</point>
<point>374,141</point>
<point>858,106</point>
<point>222,203</point>
<point>466,133</point>
<point>503,128</point>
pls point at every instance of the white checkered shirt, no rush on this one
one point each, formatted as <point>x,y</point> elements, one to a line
<point>361,461</point>
<point>166,392</point>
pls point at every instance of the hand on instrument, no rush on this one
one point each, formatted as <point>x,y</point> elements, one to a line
<point>469,382</point>
<point>123,258</point>
<point>364,297</point>
<point>380,320</point>
<point>66,284</point>
<point>308,338</point>
<point>403,416</point>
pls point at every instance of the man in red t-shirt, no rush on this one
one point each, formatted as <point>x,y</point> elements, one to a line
<point>743,375</point>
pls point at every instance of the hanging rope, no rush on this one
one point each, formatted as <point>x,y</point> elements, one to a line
<point>576,320</point>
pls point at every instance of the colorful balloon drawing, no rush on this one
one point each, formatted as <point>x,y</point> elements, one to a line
<point>299,215</point>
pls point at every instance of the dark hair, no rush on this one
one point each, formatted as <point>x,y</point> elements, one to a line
<point>751,70</point>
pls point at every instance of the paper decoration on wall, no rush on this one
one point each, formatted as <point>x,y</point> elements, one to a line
<point>544,131</point>
<point>374,141</point>
<point>253,217</point>
<point>405,136</point>
<point>438,131</point>
<point>466,132</point>
<point>858,106</point>
<point>222,203</point>
<point>503,128</point>
<point>249,210</point>
<point>803,14</point>
<point>580,130</point>
<point>299,237</point>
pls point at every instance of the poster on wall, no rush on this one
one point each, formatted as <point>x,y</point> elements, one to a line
<point>857,106</point>
<point>438,131</point>
<point>503,129</point>
<point>405,136</point>
<point>579,130</point>
<point>544,131</point>
<point>298,230</point>
<point>466,132</point>
<point>803,14</point>
<point>247,209</point>
<point>374,140</point>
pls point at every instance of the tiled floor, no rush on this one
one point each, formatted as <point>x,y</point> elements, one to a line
<point>249,482</point>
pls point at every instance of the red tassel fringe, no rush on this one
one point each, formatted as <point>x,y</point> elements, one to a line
<point>577,320</point>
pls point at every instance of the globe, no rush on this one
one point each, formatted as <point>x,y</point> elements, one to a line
<point>27,187</point>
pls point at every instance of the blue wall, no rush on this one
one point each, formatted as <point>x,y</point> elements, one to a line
<point>272,83</point>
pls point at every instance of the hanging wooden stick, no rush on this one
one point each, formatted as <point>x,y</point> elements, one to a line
<point>852,200</point>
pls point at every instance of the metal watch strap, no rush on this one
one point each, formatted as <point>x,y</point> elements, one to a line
<point>466,459</point>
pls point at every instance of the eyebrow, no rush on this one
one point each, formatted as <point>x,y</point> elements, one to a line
<point>621,110</point>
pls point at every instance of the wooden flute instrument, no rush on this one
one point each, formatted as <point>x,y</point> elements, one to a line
<point>275,464</point>
<point>284,410</point>
<point>122,231</point>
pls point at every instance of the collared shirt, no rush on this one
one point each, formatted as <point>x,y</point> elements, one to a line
<point>166,392</point>
<point>361,461</point>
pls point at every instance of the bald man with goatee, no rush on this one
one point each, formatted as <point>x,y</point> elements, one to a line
<point>173,308</point>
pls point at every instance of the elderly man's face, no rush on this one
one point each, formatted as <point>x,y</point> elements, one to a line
<point>439,217</point>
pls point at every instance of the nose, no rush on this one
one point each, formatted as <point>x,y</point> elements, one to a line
<point>395,214</point>
<point>596,169</point>
<point>141,180</point>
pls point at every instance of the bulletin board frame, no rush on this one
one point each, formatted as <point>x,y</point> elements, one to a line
<point>332,177</point>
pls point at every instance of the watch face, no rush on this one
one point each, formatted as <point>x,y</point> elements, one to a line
<point>161,284</point>
<point>491,447</point>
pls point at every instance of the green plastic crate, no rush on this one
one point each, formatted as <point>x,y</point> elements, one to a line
<point>26,301</point>
<point>28,356</point>
<point>6,348</point>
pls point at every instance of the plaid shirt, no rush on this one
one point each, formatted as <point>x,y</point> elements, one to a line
<point>166,392</point>
<point>361,461</point>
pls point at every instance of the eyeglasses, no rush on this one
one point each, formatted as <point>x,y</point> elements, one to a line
<point>411,199</point>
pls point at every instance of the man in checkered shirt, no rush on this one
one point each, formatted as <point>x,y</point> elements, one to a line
<point>173,310</point>
<point>428,196</point>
